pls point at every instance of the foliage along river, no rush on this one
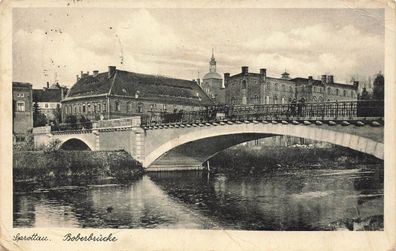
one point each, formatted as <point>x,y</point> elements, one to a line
<point>282,200</point>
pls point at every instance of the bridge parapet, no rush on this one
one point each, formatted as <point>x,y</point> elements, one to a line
<point>42,130</point>
<point>124,122</point>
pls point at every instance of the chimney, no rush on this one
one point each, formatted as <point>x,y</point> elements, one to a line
<point>112,70</point>
<point>263,73</point>
<point>324,78</point>
<point>310,80</point>
<point>81,73</point>
<point>226,77</point>
<point>78,77</point>
<point>95,73</point>
<point>245,70</point>
<point>47,85</point>
<point>330,79</point>
<point>356,83</point>
<point>199,81</point>
<point>87,73</point>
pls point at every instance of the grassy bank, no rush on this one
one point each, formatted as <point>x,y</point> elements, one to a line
<point>61,167</point>
<point>244,160</point>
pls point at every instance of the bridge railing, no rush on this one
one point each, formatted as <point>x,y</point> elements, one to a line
<point>337,110</point>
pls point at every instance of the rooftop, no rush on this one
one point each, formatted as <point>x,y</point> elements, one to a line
<point>153,87</point>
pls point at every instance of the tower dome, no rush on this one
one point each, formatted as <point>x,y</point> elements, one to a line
<point>212,74</point>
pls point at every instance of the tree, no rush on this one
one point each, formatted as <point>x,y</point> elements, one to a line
<point>378,90</point>
<point>39,119</point>
<point>71,120</point>
<point>58,115</point>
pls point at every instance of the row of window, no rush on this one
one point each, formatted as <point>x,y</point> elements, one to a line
<point>101,107</point>
<point>275,100</point>
<point>85,108</point>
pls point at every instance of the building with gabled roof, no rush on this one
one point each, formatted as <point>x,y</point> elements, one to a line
<point>118,93</point>
<point>49,99</point>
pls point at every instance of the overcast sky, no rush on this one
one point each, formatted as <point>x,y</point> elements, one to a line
<point>178,42</point>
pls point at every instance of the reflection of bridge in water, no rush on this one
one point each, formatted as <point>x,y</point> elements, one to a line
<point>185,140</point>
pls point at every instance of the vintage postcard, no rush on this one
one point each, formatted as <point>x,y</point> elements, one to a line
<point>221,125</point>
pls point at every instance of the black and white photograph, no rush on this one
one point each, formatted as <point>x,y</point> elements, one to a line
<point>198,118</point>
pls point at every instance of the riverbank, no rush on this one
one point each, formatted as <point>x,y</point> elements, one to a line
<point>73,167</point>
<point>244,160</point>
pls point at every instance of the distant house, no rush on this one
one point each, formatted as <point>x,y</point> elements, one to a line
<point>22,110</point>
<point>49,99</point>
<point>118,93</point>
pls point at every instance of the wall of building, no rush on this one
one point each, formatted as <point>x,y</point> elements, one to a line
<point>95,108</point>
<point>214,89</point>
<point>23,116</point>
<point>257,88</point>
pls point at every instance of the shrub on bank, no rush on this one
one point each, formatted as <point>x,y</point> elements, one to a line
<point>245,160</point>
<point>64,165</point>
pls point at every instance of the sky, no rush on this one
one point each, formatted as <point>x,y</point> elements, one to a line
<point>57,43</point>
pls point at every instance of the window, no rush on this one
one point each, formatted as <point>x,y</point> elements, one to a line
<point>83,108</point>
<point>345,93</point>
<point>89,108</point>
<point>20,95</point>
<point>99,108</point>
<point>20,106</point>
<point>328,90</point>
<point>267,99</point>
<point>104,107</point>
<point>117,106</point>
<point>269,86</point>
<point>275,99</point>
<point>244,84</point>
<point>46,105</point>
<point>129,107</point>
<point>164,107</point>
<point>283,88</point>
<point>337,92</point>
<point>75,109</point>
<point>283,100</point>
<point>290,89</point>
<point>140,108</point>
<point>276,87</point>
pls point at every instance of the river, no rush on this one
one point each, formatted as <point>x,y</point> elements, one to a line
<point>282,200</point>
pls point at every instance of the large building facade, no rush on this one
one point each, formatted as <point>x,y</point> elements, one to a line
<point>258,88</point>
<point>22,110</point>
<point>117,93</point>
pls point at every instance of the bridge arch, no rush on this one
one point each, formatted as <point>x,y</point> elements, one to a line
<point>208,137</point>
<point>75,143</point>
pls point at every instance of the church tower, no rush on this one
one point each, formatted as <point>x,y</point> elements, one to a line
<point>212,63</point>
<point>212,83</point>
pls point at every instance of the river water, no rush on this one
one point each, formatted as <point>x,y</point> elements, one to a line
<point>283,200</point>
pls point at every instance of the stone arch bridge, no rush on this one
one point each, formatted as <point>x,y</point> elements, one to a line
<point>187,145</point>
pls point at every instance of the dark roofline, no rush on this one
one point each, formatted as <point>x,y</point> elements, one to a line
<point>319,82</point>
<point>21,84</point>
<point>257,74</point>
